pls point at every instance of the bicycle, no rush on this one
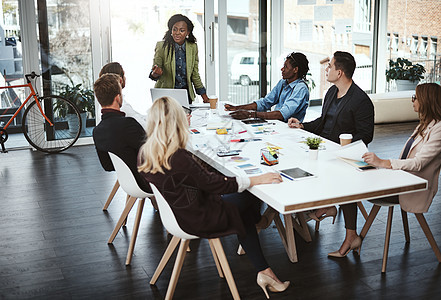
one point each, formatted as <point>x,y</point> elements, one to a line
<point>50,124</point>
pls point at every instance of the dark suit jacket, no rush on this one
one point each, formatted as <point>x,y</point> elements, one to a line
<point>123,136</point>
<point>194,195</point>
<point>355,115</point>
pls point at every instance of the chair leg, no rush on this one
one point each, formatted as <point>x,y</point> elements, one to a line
<point>125,220</point>
<point>216,259</point>
<point>429,236</point>
<point>387,239</point>
<point>112,194</point>
<point>165,258</point>
<point>369,220</point>
<point>405,226</point>
<point>135,231</point>
<point>123,216</point>
<point>363,210</point>
<point>177,269</point>
<point>225,267</point>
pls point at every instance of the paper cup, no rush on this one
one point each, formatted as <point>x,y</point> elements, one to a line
<point>213,102</point>
<point>345,138</point>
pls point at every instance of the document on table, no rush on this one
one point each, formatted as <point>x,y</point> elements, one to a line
<point>352,154</point>
<point>213,125</point>
<point>352,151</point>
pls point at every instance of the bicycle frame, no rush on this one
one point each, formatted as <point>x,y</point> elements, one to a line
<point>32,94</point>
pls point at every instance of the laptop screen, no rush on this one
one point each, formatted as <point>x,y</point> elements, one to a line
<point>179,95</point>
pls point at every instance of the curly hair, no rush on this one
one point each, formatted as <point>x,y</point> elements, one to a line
<point>297,59</point>
<point>168,39</point>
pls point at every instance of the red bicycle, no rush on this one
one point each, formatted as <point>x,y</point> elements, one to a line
<point>50,123</point>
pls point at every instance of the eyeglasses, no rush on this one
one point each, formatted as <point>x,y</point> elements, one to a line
<point>414,98</point>
<point>292,57</point>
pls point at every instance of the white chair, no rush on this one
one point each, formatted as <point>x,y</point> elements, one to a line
<point>420,217</point>
<point>172,226</point>
<point>131,187</point>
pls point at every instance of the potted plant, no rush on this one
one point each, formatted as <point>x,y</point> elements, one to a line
<point>405,73</point>
<point>313,143</point>
<point>82,98</point>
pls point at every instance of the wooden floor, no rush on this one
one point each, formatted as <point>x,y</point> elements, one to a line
<point>54,242</point>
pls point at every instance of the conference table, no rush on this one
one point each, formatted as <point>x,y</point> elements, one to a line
<point>334,182</point>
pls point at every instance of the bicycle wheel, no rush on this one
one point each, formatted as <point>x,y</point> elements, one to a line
<point>64,116</point>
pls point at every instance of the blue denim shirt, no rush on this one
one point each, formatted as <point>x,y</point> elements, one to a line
<point>181,69</point>
<point>291,100</point>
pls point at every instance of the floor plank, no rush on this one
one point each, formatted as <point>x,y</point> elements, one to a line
<point>54,242</point>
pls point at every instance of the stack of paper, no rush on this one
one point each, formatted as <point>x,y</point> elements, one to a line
<point>352,154</point>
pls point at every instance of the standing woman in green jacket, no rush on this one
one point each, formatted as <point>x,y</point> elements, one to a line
<point>176,62</point>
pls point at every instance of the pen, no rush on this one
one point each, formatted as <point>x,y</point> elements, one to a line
<point>281,174</point>
<point>244,140</point>
<point>242,131</point>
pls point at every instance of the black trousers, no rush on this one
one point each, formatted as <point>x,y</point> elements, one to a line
<point>249,207</point>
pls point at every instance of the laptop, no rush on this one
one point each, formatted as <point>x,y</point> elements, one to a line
<point>179,95</point>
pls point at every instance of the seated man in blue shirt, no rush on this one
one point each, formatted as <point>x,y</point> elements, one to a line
<point>290,96</point>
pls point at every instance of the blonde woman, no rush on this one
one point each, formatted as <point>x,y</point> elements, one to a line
<point>205,204</point>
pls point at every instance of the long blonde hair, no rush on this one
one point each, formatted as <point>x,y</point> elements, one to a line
<point>167,131</point>
<point>429,100</point>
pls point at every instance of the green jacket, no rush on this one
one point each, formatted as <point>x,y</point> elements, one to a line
<point>168,65</point>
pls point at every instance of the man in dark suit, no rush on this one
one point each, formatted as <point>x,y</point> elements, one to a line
<point>117,133</point>
<point>346,107</point>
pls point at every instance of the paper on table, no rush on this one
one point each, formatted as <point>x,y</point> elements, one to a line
<point>352,151</point>
<point>219,124</point>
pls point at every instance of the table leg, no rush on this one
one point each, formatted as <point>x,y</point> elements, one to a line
<point>287,236</point>
<point>292,251</point>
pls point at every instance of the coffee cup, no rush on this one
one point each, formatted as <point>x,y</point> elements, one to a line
<point>213,102</point>
<point>345,138</point>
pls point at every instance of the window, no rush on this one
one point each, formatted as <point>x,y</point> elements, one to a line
<point>238,25</point>
<point>414,44</point>
<point>433,46</point>
<point>247,61</point>
<point>394,45</point>
<point>423,46</point>
<point>326,27</point>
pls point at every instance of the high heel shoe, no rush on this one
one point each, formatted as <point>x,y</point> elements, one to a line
<point>330,212</point>
<point>264,280</point>
<point>355,245</point>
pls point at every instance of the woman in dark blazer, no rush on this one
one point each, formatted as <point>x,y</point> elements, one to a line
<point>176,61</point>
<point>205,204</point>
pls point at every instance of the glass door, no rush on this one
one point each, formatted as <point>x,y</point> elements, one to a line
<point>11,69</point>
<point>66,56</point>
<point>135,30</point>
<point>233,37</point>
